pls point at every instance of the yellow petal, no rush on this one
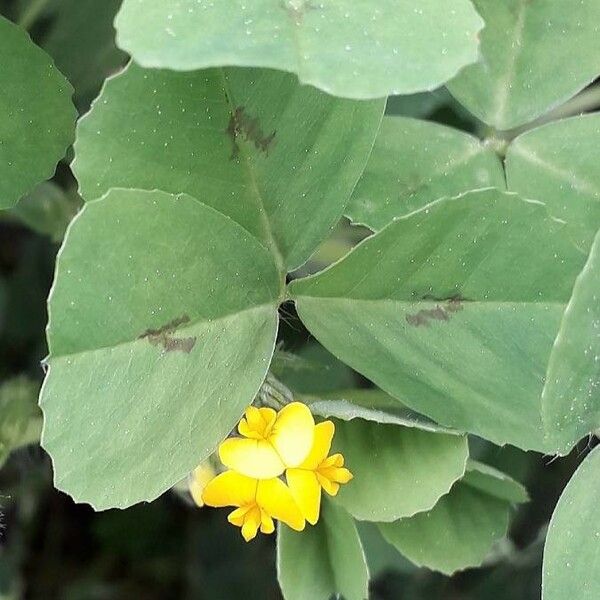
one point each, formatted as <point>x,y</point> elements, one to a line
<point>331,487</point>
<point>274,497</point>
<point>339,475</point>
<point>251,523</point>
<point>306,491</point>
<point>230,489</point>
<point>266,523</point>
<point>323,434</point>
<point>257,422</point>
<point>253,458</point>
<point>238,515</point>
<point>292,434</point>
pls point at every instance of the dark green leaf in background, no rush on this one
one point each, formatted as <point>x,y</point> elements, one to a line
<point>36,114</point>
<point>324,560</point>
<point>162,324</point>
<point>278,158</point>
<point>350,48</point>
<point>536,54</point>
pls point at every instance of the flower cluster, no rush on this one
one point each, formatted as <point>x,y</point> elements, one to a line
<point>274,445</point>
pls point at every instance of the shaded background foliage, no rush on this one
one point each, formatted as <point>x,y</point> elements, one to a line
<point>53,548</point>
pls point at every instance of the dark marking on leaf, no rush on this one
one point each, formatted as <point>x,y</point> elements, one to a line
<point>442,311</point>
<point>242,124</point>
<point>164,336</point>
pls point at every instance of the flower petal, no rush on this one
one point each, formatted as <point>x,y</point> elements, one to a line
<point>257,422</point>
<point>251,523</point>
<point>331,487</point>
<point>237,516</point>
<point>273,496</point>
<point>293,432</point>
<point>253,458</point>
<point>230,489</point>
<point>266,523</point>
<point>306,491</point>
<point>323,434</point>
<point>198,480</point>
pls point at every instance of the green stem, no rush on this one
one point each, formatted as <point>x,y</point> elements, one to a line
<point>273,393</point>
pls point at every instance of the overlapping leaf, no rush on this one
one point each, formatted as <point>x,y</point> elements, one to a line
<point>37,116</point>
<point>163,319</point>
<point>454,310</point>
<point>355,49</point>
<point>460,530</point>
<point>558,164</point>
<point>536,55</point>
<point>571,554</point>
<point>323,561</point>
<point>278,158</point>
<point>416,162</point>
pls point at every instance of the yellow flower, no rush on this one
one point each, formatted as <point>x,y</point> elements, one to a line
<point>271,441</point>
<point>258,502</point>
<point>198,480</point>
<point>317,471</point>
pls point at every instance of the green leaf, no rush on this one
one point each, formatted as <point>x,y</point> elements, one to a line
<point>409,467</point>
<point>278,158</point>
<point>454,311</point>
<point>558,163</point>
<point>37,116</point>
<point>494,482</point>
<point>571,554</point>
<point>460,530</point>
<point>84,47</point>
<point>571,405</point>
<point>162,324</point>
<point>369,405</point>
<point>322,561</point>
<point>416,162</point>
<point>20,419</point>
<point>47,210</point>
<point>536,55</point>
<point>381,556</point>
<point>351,49</point>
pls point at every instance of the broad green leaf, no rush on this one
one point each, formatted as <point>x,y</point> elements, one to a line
<point>47,209</point>
<point>416,162</point>
<point>323,561</point>
<point>350,48</point>
<point>558,164</point>
<point>20,419</point>
<point>37,116</point>
<point>162,324</point>
<point>572,551</point>
<point>409,468</point>
<point>460,530</point>
<point>453,310</point>
<point>571,401</point>
<point>369,405</point>
<point>278,158</point>
<point>536,55</point>
<point>381,556</point>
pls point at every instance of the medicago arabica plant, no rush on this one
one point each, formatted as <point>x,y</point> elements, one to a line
<point>213,168</point>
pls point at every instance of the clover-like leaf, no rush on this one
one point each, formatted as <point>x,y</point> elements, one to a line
<point>558,164</point>
<point>349,48</point>
<point>536,55</point>
<point>454,310</point>
<point>163,318</point>
<point>323,561</point>
<point>416,162</point>
<point>279,158</point>
<point>459,531</point>
<point>571,558</point>
<point>37,116</point>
